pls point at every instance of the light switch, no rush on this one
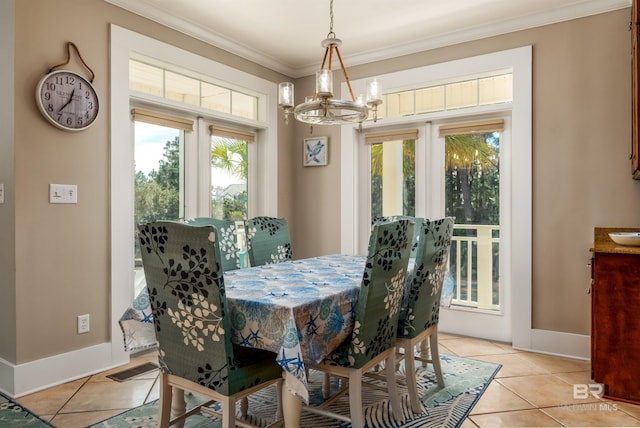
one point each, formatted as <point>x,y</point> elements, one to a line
<point>63,193</point>
<point>1,193</point>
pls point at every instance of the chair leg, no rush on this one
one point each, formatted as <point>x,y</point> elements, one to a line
<point>410,369</point>
<point>435,357</point>
<point>164,412</point>
<point>424,352</point>
<point>326,386</point>
<point>228,413</point>
<point>279,412</point>
<point>390,373</point>
<point>355,399</point>
<point>244,406</point>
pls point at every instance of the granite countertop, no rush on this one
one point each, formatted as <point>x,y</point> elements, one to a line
<point>604,244</point>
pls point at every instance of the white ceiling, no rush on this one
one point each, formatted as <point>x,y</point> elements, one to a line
<point>285,35</point>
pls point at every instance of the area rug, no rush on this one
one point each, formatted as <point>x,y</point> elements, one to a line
<point>465,379</point>
<point>14,415</point>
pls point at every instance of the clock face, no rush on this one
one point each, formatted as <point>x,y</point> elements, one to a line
<point>67,100</point>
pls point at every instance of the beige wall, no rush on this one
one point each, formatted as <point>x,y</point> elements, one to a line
<point>581,133</point>
<point>581,148</point>
<point>62,251</point>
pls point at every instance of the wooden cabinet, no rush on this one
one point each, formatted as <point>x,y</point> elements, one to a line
<point>615,320</point>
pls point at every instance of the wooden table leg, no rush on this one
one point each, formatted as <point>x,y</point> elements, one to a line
<point>291,406</point>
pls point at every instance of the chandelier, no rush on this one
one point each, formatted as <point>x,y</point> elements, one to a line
<point>321,108</point>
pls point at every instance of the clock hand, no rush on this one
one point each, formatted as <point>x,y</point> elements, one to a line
<point>68,101</point>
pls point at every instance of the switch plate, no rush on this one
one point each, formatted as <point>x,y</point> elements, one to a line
<point>63,193</point>
<point>83,323</point>
<point>1,193</point>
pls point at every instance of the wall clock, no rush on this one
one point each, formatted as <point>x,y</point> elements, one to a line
<point>66,99</point>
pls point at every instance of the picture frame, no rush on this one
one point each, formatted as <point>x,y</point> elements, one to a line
<point>315,151</point>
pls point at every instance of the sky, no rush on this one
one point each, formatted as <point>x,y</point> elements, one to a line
<point>149,150</point>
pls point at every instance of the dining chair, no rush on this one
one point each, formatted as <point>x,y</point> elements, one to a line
<point>375,322</point>
<point>417,221</point>
<point>268,240</point>
<point>418,320</point>
<point>227,234</point>
<point>190,314</point>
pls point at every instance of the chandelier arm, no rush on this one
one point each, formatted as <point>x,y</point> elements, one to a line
<point>324,59</point>
<point>346,78</point>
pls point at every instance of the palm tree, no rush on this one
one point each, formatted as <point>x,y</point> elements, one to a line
<point>466,154</point>
<point>230,155</point>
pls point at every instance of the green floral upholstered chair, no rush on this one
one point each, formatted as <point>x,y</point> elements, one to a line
<point>227,234</point>
<point>419,318</point>
<point>417,221</point>
<point>376,320</point>
<point>186,290</point>
<point>268,240</point>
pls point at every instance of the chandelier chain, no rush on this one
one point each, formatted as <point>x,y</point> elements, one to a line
<point>331,19</point>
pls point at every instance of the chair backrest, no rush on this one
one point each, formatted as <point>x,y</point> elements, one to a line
<point>417,221</point>
<point>227,235</point>
<point>268,240</point>
<point>424,287</point>
<point>376,316</point>
<point>186,291</point>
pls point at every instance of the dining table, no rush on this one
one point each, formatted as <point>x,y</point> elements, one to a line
<point>301,310</point>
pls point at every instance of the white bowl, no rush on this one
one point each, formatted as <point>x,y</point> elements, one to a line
<point>626,238</point>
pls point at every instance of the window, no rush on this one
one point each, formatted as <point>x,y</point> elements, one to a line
<point>472,196</point>
<point>162,80</point>
<point>393,165</point>
<point>229,173</point>
<point>481,91</point>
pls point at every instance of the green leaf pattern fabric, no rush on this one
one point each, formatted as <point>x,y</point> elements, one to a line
<point>227,235</point>
<point>187,295</point>
<point>268,240</point>
<point>417,221</point>
<point>377,309</point>
<point>424,286</point>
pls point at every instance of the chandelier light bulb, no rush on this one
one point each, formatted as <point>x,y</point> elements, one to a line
<point>285,94</point>
<point>324,83</point>
<point>374,91</point>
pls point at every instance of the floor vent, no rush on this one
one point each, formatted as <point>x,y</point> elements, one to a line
<point>133,372</point>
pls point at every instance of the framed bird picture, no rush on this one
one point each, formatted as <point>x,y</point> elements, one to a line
<point>315,151</point>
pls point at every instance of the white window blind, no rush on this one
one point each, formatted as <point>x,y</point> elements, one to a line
<point>155,118</point>
<point>236,134</point>
<point>480,127</point>
<point>402,134</point>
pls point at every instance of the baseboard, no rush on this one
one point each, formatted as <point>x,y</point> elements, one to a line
<point>560,344</point>
<point>22,379</point>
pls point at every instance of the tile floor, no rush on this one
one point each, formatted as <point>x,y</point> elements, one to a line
<point>532,390</point>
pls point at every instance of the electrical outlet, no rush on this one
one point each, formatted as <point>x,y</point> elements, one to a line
<point>83,323</point>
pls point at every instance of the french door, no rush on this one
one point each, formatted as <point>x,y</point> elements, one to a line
<point>460,170</point>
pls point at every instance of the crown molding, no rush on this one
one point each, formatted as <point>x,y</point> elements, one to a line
<point>577,10</point>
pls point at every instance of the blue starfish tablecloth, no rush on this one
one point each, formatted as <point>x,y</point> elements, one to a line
<point>301,310</point>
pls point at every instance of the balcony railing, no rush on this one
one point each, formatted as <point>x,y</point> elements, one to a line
<point>474,264</point>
